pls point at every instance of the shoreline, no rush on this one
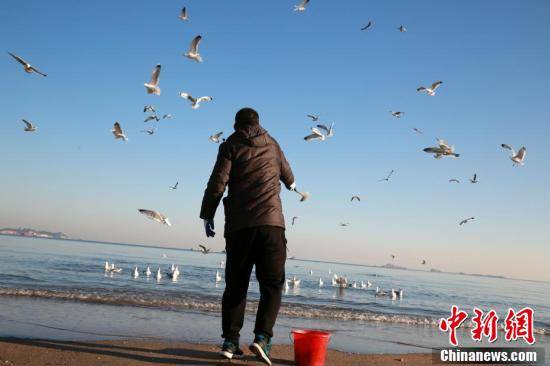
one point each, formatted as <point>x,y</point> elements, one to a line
<point>24,351</point>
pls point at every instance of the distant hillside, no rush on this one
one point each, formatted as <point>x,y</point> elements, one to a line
<point>33,233</point>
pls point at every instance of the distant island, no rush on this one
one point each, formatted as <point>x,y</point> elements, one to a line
<point>31,233</point>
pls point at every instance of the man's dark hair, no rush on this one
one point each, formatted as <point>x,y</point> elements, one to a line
<point>246,117</point>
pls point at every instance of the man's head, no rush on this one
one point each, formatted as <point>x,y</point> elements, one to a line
<point>246,117</point>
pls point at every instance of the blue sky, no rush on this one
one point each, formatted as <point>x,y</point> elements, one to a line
<point>71,175</point>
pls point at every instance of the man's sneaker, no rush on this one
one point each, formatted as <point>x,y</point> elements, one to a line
<point>261,348</point>
<point>231,350</point>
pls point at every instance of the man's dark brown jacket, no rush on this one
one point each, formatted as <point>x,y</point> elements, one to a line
<point>251,163</point>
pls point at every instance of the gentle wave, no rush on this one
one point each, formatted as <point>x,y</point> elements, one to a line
<point>213,304</point>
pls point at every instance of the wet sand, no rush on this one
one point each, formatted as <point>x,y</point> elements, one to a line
<point>16,351</point>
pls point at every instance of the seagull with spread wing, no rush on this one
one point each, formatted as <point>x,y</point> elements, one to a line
<point>29,127</point>
<point>193,52</point>
<point>195,102</point>
<point>216,137</point>
<point>294,220</point>
<point>368,26</point>
<point>431,90</point>
<point>183,14</point>
<point>150,131</point>
<point>152,117</point>
<point>397,114</point>
<point>518,157</point>
<point>357,198</point>
<point>387,179</point>
<point>402,29</point>
<point>203,249</point>
<point>153,85</point>
<point>417,130</point>
<point>26,66</point>
<point>302,6</point>
<point>149,108</point>
<point>474,179</point>
<point>315,135</point>
<point>167,116</point>
<point>329,131</point>
<point>117,131</point>
<point>454,180</point>
<point>444,149</point>
<point>175,186</point>
<point>465,221</point>
<point>155,216</point>
<point>313,117</point>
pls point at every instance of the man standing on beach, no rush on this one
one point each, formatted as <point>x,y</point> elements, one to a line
<point>251,163</point>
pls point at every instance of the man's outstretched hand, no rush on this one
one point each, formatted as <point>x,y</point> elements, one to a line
<point>209,228</point>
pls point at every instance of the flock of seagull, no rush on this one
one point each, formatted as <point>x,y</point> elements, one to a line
<point>319,132</point>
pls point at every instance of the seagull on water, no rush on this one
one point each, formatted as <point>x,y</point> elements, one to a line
<point>316,135</point>
<point>159,275</point>
<point>152,117</point>
<point>218,276</point>
<point>153,85</point>
<point>175,186</point>
<point>328,130</point>
<point>402,29</point>
<point>193,52</point>
<point>357,198</point>
<point>294,219</point>
<point>107,266</point>
<point>431,90</point>
<point>294,282</point>
<point>313,117</point>
<point>26,66</point>
<point>174,273</point>
<point>518,157</point>
<point>147,272</point>
<point>195,102</point>
<point>118,133</point>
<point>397,114</point>
<point>135,274</point>
<point>444,149</point>
<point>302,6</point>
<point>222,263</point>
<point>29,127</point>
<point>454,180</point>
<point>155,216</point>
<point>203,249</point>
<point>183,14</point>
<point>474,179</point>
<point>216,137</point>
<point>465,221</point>
<point>387,179</point>
<point>368,26</point>
<point>321,283</point>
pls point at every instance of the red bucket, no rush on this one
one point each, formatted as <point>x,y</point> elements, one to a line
<point>310,347</point>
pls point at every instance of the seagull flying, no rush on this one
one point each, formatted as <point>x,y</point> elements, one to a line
<point>28,67</point>
<point>329,130</point>
<point>167,116</point>
<point>417,130</point>
<point>149,108</point>
<point>302,6</point>
<point>344,224</point>
<point>193,52</point>
<point>175,186</point>
<point>369,24</point>
<point>402,29</point>
<point>518,157</point>
<point>474,179</point>
<point>29,127</point>
<point>195,102</point>
<point>313,117</point>
<point>294,219</point>
<point>204,250</point>
<point>392,256</point>
<point>216,137</point>
<point>153,85</point>
<point>155,216</point>
<point>431,90</point>
<point>150,131</point>
<point>454,180</point>
<point>316,135</point>
<point>465,221</point>
<point>444,149</point>
<point>152,117</point>
<point>423,262</point>
<point>355,198</point>
<point>183,14</point>
<point>397,114</point>
<point>117,131</point>
<point>387,179</point>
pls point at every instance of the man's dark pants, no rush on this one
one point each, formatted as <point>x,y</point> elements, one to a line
<point>265,247</point>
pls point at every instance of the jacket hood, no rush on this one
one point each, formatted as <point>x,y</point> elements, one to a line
<point>252,135</point>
